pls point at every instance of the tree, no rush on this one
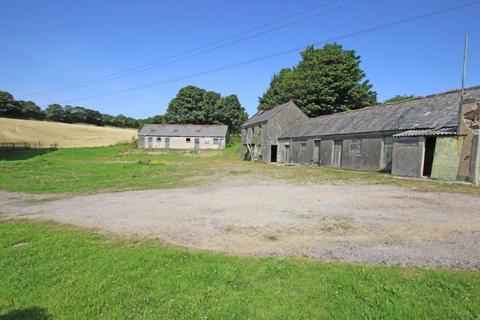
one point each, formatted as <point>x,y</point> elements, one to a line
<point>399,98</point>
<point>30,110</point>
<point>156,119</point>
<point>326,80</point>
<point>229,111</point>
<point>8,106</point>
<point>197,106</point>
<point>55,112</point>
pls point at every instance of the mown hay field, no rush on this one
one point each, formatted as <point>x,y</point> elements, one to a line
<point>55,134</point>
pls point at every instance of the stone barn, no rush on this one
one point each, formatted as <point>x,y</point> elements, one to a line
<point>421,137</point>
<point>183,136</point>
<point>261,132</point>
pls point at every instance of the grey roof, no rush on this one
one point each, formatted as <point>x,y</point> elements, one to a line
<point>263,116</point>
<point>430,112</point>
<point>428,132</point>
<point>184,130</point>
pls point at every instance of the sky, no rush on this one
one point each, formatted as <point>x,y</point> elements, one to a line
<point>52,44</point>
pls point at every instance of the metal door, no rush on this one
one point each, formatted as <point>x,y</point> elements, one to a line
<point>337,153</point>
<point>197,143</point>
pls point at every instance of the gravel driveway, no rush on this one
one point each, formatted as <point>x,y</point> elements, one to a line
<point>257,216</point>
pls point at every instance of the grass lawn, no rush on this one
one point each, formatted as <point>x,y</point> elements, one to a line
<point>55,272</point>
<point>123,167</point>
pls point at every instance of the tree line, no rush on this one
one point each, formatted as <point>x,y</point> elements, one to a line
<point>19,109</point>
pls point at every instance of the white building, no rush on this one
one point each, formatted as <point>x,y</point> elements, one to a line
<point>183,136</point>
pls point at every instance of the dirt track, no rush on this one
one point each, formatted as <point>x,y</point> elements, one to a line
<point>248,215</point>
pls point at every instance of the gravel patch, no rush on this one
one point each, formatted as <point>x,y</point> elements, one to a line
<point>252,215</point>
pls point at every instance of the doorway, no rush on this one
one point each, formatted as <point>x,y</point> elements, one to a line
<point>287,154</point>
<point>273,153</point>
<point>316,153</point>
<point>337,153</point>
<point>197,143</point>
<point>167,142</point>
<point>429,153</point>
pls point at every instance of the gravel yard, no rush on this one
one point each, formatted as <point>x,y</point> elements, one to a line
<point>253,215</point>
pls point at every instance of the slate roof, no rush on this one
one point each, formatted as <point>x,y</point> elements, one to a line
<point>263,116</point>
<point>430,112</point>
<point>183,130</point>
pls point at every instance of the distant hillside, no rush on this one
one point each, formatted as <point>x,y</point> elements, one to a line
<point>45,134</point>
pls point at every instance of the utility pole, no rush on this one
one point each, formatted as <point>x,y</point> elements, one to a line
<point>464,71</point>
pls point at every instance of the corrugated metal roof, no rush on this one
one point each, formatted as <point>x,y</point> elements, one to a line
<point>263,116</point>
<point>184,130</point>
<point>428,132</point>
<point>430,112</point>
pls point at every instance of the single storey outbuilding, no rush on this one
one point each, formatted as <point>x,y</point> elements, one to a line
<point>183,136</point>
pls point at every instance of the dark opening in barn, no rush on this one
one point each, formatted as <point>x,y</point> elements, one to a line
<point>429,153</point>
<point>273,153</point>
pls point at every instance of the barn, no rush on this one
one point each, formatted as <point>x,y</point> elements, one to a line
<point>422,137</point>
<point>261,132</point>
<point>183,136</point>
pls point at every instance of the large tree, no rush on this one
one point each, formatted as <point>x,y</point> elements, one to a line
<point>326,80</point>
<point>197,106</point>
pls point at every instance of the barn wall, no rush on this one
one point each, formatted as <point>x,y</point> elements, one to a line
<point>326,152</point>
<point>278,125</point>
<point>369,158</point>
<point>408,155</point>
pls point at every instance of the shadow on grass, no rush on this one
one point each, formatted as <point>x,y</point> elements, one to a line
<point>33,313</point>
<point>12,154</point>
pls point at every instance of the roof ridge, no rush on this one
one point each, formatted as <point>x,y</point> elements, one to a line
<point>380,105</point>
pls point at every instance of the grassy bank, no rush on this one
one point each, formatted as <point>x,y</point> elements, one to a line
<point>123,167</point>
<point>54,272</point>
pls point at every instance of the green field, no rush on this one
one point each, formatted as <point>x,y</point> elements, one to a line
<point>123,167</point>
<point>53,272</point>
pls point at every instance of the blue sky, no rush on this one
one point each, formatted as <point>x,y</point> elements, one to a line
<point>50,44</point>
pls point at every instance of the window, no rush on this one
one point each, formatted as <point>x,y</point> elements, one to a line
<point>303,147</point>
<point>356,147</point>
<point>150,139</point>
<point>188,140</point>
<point>215,141</point>
<point>159,139</point>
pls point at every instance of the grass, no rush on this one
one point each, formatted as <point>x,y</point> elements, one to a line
<point>47,134</point>
<point>271,237</point>
<point>49,271</point>
<point>123,167</point>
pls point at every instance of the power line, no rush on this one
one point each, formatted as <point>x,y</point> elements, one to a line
<point>178,57</point>
<point>273,55</point>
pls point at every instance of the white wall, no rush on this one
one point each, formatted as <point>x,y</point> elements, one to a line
<point>181,143</point>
